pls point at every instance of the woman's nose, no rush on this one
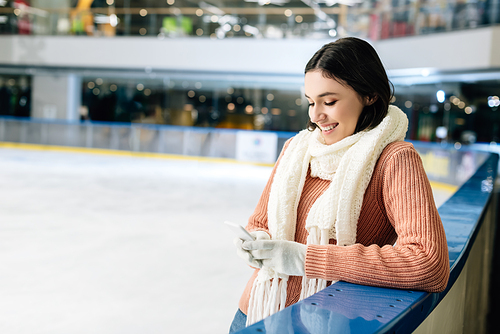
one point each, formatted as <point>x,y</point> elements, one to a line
<point>316,115</point>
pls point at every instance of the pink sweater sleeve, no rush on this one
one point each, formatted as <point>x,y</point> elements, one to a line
<point>419,259</point>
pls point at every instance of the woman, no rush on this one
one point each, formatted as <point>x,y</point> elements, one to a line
<point>342,193</point>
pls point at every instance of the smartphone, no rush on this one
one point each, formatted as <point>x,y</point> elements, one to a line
<point>240,231</point>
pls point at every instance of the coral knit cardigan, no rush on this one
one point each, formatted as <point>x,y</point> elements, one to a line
<point>397,206</point>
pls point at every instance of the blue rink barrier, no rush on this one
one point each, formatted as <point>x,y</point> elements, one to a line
<point>469,221</point>
<point>468,216</point>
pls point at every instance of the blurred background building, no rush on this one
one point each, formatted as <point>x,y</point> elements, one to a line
<point>239,64</point>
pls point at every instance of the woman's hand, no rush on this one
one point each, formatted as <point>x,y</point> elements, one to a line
<point>286,257</point>
<point>245,254</point>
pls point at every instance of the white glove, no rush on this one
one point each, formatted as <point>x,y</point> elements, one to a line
<point>286,257</point>
<point>246,255</point>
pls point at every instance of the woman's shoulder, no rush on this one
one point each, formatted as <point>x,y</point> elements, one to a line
<point>397,147</point>
<point>395,153</point>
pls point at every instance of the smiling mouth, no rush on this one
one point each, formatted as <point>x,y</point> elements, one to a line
<point>329,127</point>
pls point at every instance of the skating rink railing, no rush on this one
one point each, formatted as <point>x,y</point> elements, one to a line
<point>469,217</point>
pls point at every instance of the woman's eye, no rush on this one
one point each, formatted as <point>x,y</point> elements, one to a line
<point>330,103</point>
<point>311,104</point>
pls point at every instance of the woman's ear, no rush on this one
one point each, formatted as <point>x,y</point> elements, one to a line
<point>369,100</point>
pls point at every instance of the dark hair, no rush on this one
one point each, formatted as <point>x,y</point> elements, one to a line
<point>354,62</point>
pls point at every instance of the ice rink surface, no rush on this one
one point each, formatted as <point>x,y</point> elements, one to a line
<point>116,244</point>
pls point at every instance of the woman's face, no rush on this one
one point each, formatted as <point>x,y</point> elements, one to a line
<point>334,107</point>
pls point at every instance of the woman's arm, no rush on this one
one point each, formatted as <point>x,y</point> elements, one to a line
<point>419,260</point>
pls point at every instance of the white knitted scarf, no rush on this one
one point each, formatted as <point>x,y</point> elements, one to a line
<point>349,165</point>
